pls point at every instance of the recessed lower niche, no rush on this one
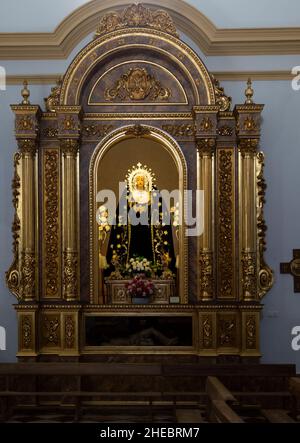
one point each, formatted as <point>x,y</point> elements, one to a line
<point>135,331</point>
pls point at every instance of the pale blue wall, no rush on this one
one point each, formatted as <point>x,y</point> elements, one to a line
<point>7,149</point>
<point>280,142</point>
<point>42,16</point>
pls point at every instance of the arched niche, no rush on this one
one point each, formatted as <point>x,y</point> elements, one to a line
<point>157,150</point>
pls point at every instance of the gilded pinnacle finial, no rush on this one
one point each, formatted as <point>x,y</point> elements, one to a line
<point>25,93</point>
<point>249,93</point>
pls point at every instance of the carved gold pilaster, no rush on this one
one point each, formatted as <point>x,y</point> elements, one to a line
<point>70,184</point>
<point>51,224</point>
<point>206,158</point>
<point>225,210</point>
<point>27,148</point>
<point>247,208</point>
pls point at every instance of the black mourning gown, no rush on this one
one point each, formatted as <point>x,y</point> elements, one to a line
<point>140,242</point>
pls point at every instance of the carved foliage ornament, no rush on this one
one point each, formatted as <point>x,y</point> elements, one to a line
<point>28,275</point>
<point>221,98</point>
<point>26,328</point>
<point>50,330</point>
<point>27,146</point>
<point>250,124</point>
<point>265,273</point>
<point>250,332</point>
<point>50,132</point>
<point>51,222</point>
<point>248,145</point>
<point>137,84</point>
<point>183,130</point>
<point>69,147</point>
<point>206,275</point>
<point>96,130</point>
<point>69,332</point>
<point>225,131</point>
<point>206,125</point>
<point>136,16</point>
<point>13,274</point>
<point>138,131</point>
<point>227,332</point>
<point>207,330</point>
<point>249,275</point>
<point>70,284</point>
<point>25,123</point>
<point>53,100</point>
<point>206,146</point>
<point>225,258</point>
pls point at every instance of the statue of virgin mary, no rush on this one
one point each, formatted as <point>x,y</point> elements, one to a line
<point>140,231</point>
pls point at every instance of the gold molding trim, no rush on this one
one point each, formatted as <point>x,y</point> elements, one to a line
<point>49,79</point>
<point>189,20</point>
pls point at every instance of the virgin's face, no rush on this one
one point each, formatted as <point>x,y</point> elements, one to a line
<point>140,183</point>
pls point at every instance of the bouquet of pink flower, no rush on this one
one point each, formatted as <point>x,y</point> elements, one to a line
<point>140,287</point>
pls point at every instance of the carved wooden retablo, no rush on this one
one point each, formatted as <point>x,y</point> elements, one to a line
<point>136,90</point>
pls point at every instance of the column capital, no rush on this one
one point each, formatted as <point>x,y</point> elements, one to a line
<point>27,146</point>
<point>206,146</point>
<point>248,146</point>
<point>69,147</point>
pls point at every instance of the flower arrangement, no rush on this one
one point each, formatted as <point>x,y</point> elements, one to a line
<point>139,264</point>
<point>102,219</point>
<point>176,215</point>
<point>140,287</point>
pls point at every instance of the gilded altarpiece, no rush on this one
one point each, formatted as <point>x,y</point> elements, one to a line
<point>137,81</point>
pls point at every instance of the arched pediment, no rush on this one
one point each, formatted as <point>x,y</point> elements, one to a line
<point>166,70</point>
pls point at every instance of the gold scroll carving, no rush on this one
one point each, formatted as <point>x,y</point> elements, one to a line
<point>13,274</point>
<point>51,224</point>
<point>225,225</point>
<point>26,332</point>
<point>265,273</point>
<point>137,84</point>
<point>136,15</point>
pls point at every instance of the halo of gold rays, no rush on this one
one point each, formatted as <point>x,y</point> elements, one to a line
<point>140,170</point>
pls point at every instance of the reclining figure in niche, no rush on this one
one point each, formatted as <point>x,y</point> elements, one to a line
<point>146,337</point>
<point>141,232</point>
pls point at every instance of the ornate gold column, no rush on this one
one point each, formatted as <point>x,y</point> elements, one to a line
<point>69,127</point>
<point>248,123</point>
<point>25,200</point>
<point>29,261</point>
<point>205,132</point>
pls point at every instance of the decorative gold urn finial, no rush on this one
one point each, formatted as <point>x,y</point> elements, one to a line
<point>249,93</point>
<point>25,93</point>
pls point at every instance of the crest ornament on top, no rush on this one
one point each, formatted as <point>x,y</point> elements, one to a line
<point>136,15</point>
